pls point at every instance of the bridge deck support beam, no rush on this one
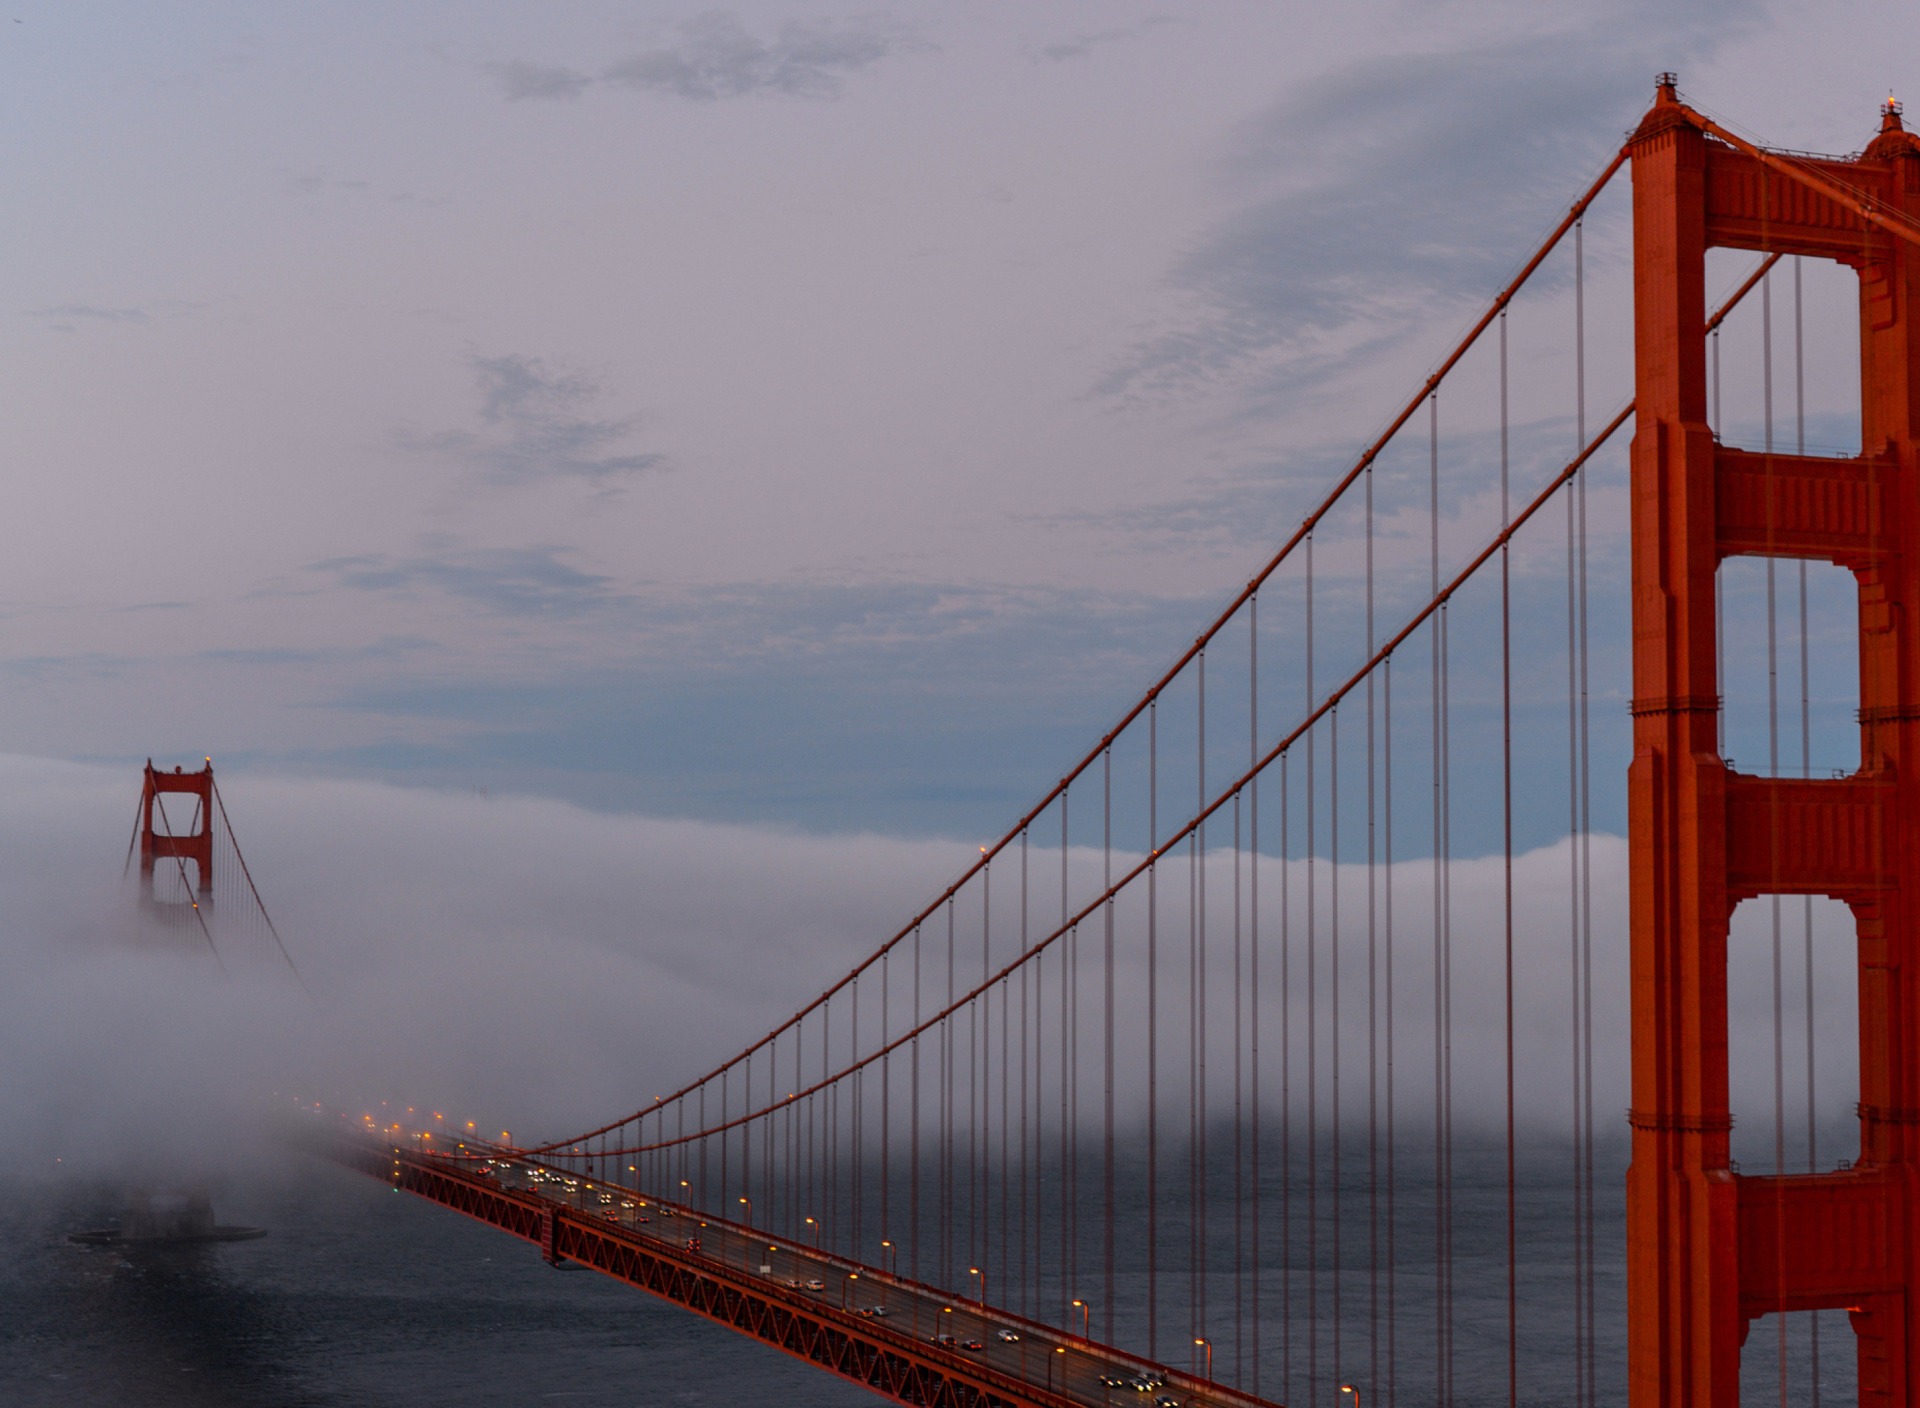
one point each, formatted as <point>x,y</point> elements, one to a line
<point>1710,1250</point>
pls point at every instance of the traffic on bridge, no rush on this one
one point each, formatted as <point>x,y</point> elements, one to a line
<point>972,1352</point>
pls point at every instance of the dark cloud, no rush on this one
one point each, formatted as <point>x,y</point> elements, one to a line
<point>1399,187</point>
<point>536,429</point>
<point>521,80</point>
<point>530,581</point>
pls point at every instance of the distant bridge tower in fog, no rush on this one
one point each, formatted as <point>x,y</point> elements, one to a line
<point>179,838</point>
<point>170,837</point>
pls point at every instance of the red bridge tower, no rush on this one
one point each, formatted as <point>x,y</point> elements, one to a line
<point>193,845</point>
<point>1708,1249</point>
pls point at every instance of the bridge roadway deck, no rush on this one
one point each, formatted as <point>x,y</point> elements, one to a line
<point>757,1283</point>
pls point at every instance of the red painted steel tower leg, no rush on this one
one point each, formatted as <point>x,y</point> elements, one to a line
<point>195,845</point>
<point>1710,1250</point>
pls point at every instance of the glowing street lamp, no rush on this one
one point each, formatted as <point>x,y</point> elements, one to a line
<point>976,1271</point>
<point>816,1233</point>
<point>1349,1389</point>
<point>1086,1318</point>
<point>893,1258</point>
<point>1209,1345</point>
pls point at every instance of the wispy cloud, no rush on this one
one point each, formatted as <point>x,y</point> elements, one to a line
<point>90,312</point>
<point>1326,267</point>
<point>520,80</point>
<point>715,56</point>
<point>536,426</point>
<point>71,317</point>
<point>1079,46</point>
<point>341,655</point>
<point>529,581</point>
<point>89,665</point>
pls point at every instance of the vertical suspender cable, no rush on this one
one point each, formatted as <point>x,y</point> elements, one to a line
<point>1200,1020</point>
<point>1806,770</point>
<point>855,1192</point>
<point>1506,805</point>
<point>1239,1115</point>
<point>1007,1276</point>
<point>1573,959</point>
<point>947,1113</point>
<point>980,1070</point>
<point>1286,1081</point>
<point>1441,1319</point>
<point>1586,819</point>
<point>1025,1303</point>
<point>886,1104</point>
<point>1773,770</point>
<point>1153,1029</point>
<point>1073,1113</point>
<point>1066,1063</point>
<point>1386,856</point>
<point>1336,1181</point>
<point>1039,1136</point>
<point>913,1126</point>
<point>1106,973</point>
<point>1253,972</point>
<point>1313,1025</point>
<point>1373,1023</point>
<point>1193,1102</point>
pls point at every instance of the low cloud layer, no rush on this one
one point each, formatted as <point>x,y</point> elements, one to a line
<point>522,962</point>
<point>537,967</point>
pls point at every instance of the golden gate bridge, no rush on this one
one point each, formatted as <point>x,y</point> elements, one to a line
<point>1179,1093</point>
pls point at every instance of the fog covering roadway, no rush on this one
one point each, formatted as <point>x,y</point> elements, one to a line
<point>914,1313</point>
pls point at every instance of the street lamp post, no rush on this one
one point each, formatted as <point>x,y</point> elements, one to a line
<point>1349,1389</point>
<point>893,1258</point>
<point>846,1288</point>
<point>816,1233</point>
<point>1057,1349</point>
<point>1209,1346</point>
<point>1086,1319</point>
<point>976,1271</point>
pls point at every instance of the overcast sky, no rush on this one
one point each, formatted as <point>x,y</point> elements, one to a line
<point>818,415</point>
<point>763,420</point>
